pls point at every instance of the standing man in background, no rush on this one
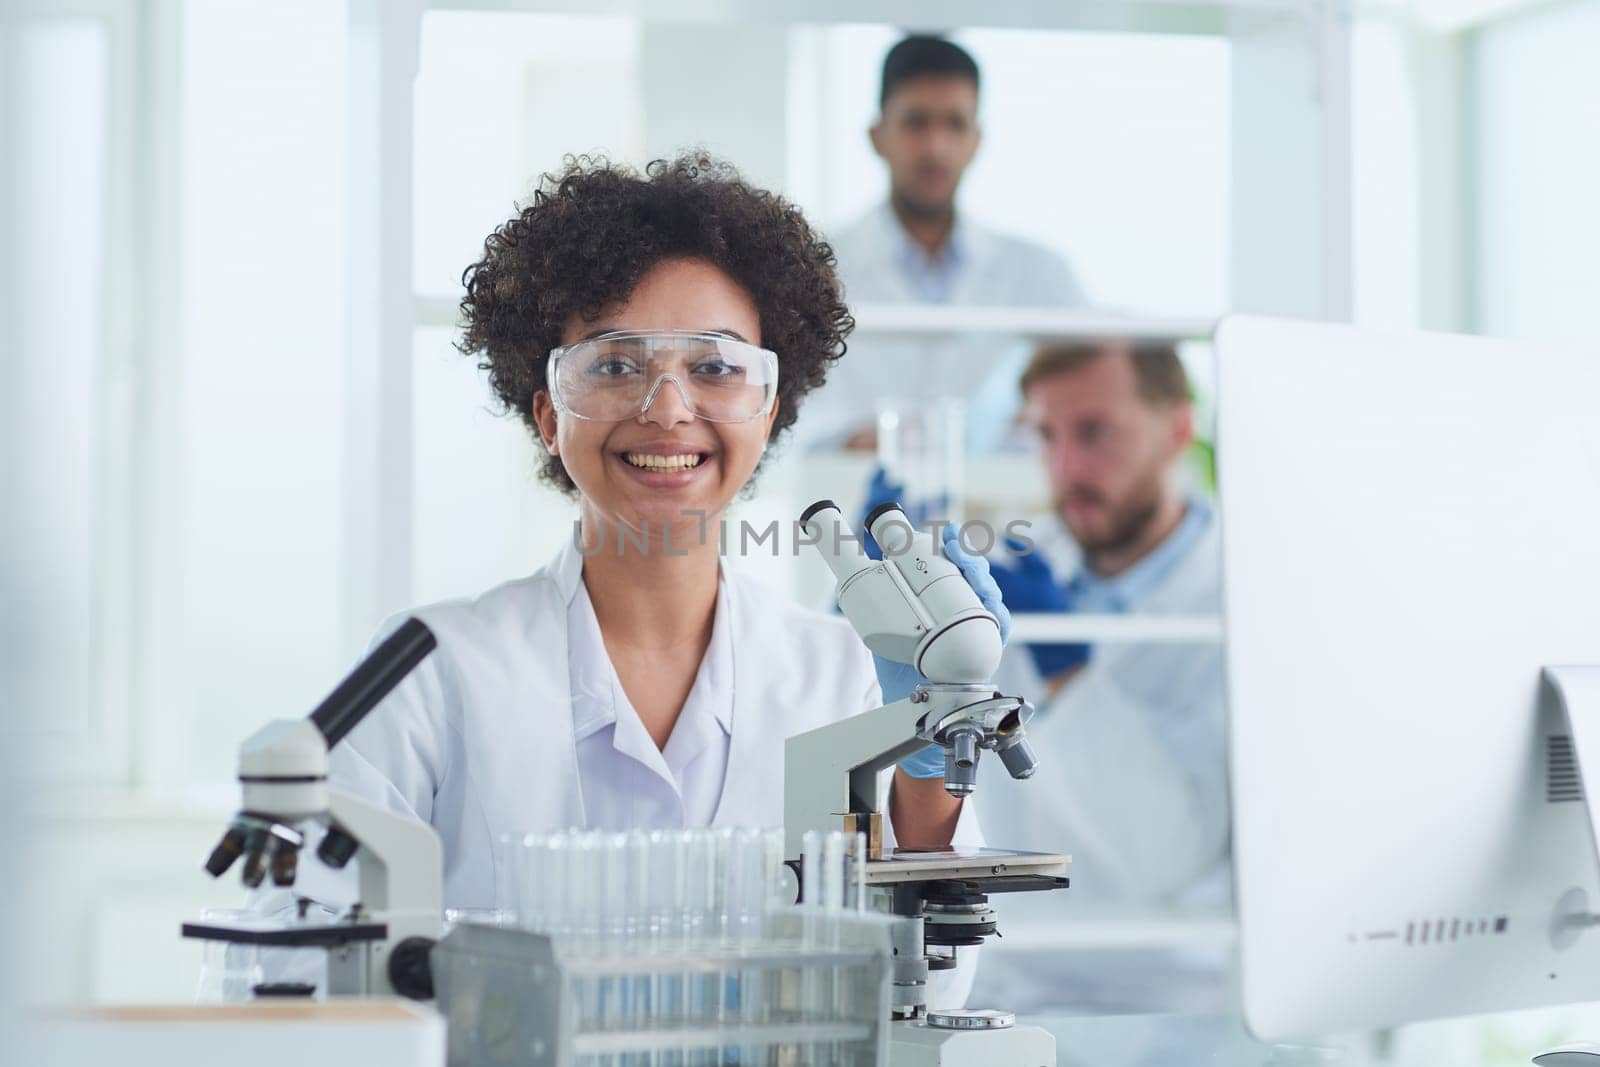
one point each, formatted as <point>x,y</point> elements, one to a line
<point>917,248</point>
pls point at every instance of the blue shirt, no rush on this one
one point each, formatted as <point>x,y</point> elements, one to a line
<point>1091,594</point>
<point>934,276</point>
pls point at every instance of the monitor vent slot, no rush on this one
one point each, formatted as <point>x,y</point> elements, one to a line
<point>1562,785</point>
<point>1435,931</point>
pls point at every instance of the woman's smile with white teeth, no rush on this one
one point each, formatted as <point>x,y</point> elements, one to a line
<point>655,461</point>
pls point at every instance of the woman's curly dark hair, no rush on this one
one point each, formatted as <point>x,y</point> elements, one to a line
<point>595,229</point>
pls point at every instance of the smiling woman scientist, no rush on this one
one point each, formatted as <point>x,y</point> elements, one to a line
<point>655,332</point>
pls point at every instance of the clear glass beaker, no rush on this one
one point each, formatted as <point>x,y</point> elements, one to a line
<point>229,972</point>
<point>922,447</point>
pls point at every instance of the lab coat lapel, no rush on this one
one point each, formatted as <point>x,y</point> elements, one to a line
<point>554,796</point>
<point>748,788</point>
<point>881,279</point>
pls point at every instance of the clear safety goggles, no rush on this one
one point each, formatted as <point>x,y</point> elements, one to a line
<point>618,375</point>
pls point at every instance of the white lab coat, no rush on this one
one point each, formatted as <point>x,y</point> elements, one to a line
<point>1132,778</point>
<point>479,740</point>
<point>983,369</point>
<point>1132,783</point>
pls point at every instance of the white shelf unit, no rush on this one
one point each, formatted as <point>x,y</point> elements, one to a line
<point>1117,629</point>
<point>1034,323</point>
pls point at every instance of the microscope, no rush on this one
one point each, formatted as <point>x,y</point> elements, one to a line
<point>381,945</point>
<point>913,606</point>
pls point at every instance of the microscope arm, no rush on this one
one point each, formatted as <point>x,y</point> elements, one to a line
<point>400,858</point>
<point>833,770</point>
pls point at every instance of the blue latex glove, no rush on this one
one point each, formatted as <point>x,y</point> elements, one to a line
<point>896,680</point>
<point>1029,585</point>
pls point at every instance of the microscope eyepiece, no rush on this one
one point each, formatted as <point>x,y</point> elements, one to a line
<point>879,511</point>
<point>372,680</point>
<point>821,505</point>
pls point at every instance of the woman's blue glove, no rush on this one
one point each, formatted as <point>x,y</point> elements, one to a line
<point>1031,586</point>
<point>897,680</point>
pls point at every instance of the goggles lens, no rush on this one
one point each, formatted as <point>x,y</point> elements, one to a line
<point>619,375</point>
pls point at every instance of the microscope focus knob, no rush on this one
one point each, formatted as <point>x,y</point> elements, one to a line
<point>410,972</point>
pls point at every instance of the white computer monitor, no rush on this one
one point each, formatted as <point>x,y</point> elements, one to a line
<point>1411,531</point>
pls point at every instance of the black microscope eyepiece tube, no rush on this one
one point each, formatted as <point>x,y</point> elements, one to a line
<point>372,680</point>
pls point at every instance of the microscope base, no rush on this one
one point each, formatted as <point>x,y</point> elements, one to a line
<point>916,1044</point>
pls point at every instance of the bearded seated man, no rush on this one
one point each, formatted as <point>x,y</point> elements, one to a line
<point>1132,739</point>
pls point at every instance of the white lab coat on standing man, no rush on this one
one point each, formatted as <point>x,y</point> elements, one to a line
<point>516,724</point>
<point>880,263</point>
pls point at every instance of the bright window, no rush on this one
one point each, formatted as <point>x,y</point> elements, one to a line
<point>57,131</point>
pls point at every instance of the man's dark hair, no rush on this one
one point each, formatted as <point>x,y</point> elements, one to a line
<point>1158,373</point>
<point>922,56</point>
<point>595,229</point>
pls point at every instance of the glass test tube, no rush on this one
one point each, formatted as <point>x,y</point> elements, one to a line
<point>833,894</point>
<point>639,939</point>
<point>665,894</point>
<point>700,933</point>
<point>811,899</point>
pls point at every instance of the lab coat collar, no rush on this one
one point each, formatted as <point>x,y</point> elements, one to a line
<point>892,234</point>
<point>744,776</point>
<point>718,667</point>
<point>743,717</point>
<point>567,569</point>
<point>1191,584</point>
<point>567,572</point>
<point>970,253</point>
<point>951,256</point>
<point>1135,586</point>
<point>597,692</point>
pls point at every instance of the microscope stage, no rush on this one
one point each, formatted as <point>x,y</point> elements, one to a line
<point>926,865</point>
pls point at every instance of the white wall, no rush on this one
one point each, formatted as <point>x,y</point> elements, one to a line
<point>236,547</point>
<point>54,336</point>
<point>1385,177</point>
<point>1536,156</point>
<point>261,379</point>
<point>500,99</point>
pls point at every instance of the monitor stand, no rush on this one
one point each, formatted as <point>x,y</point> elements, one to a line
<point>1577,691</point>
